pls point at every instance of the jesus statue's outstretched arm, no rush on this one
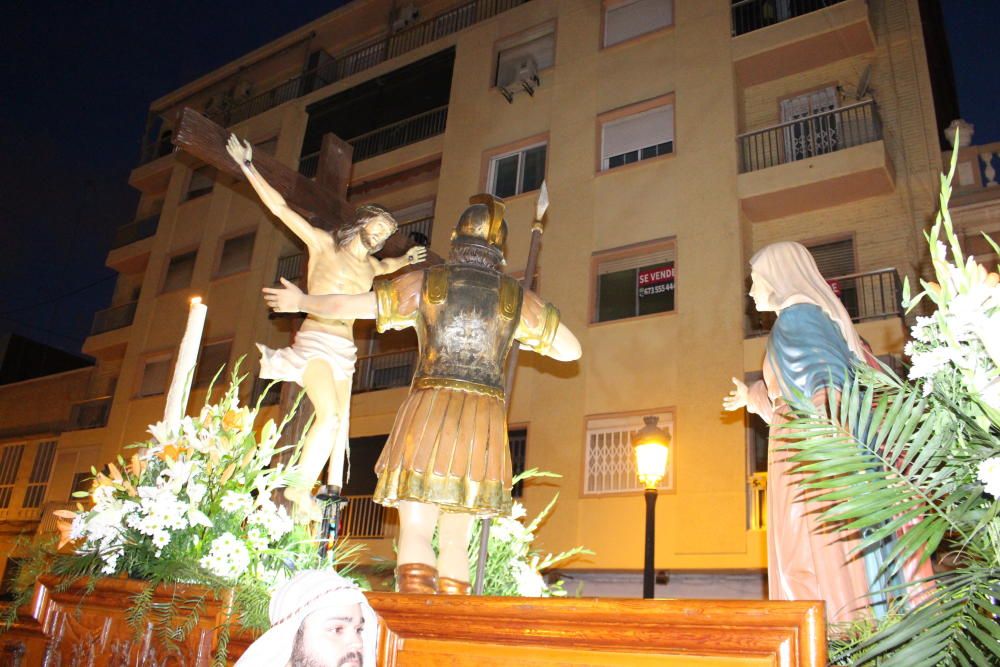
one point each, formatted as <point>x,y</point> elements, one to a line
<point>243,154</point>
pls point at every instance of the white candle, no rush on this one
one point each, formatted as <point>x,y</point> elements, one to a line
<point>187,357</point>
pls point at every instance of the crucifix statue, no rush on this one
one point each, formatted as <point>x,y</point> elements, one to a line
<point>341,260</point>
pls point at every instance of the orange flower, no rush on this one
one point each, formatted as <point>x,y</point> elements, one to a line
<point>170,451</point>
<point>233,420</point>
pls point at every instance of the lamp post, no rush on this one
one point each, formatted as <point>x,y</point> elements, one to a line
<point>652,447</point>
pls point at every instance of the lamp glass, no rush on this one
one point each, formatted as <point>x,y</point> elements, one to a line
<point>651,463</point>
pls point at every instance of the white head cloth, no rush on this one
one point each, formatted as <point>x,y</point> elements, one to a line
<point>304,593</point>
<point>792,273</point>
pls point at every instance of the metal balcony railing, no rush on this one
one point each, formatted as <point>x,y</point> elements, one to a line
<point>809,136</point>
<point>135,231</point>
<point>88,414</point>
<point>750,15</point>
<point>385,139</point>
<point>346,64</point>
<point>866,296</point>
<point>112,318</point>
<point>384,370</point>
<point>292,267</point>
<point>363,518</point>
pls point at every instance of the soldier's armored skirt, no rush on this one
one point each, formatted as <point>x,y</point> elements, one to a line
<point>448,445</point>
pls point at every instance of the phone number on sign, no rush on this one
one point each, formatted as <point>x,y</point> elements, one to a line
<point>656,289</point>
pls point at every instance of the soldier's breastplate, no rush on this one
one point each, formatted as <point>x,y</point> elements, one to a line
<point>469,317</point>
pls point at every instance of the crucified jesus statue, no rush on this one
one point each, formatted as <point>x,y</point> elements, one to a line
<point>322,356</point>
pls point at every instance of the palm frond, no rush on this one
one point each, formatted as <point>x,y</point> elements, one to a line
<point>881,471</point>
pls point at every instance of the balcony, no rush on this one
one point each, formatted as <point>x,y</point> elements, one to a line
<point>384,370</point>
<point>131,245</point>
<point>363,518</point>
<point>872,295</point>
<point>90,414</point>
<point>113,318</point>
<point>776,38</point>
<point>389,138</point>
<point>292,267</point>
<point>110,330</point>
<point>814,162</point>
<point>135,231</point>
<point>365,57</point>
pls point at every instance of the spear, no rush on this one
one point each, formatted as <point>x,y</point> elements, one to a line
<point>527,281</point>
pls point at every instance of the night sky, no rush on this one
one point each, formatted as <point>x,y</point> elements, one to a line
<point>77,80</point>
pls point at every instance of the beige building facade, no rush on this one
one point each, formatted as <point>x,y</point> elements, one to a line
<point>676,139</point>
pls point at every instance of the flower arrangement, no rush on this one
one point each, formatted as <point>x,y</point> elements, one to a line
<point>194,504</point>
<point>917,462</point>
<point>512,567</point>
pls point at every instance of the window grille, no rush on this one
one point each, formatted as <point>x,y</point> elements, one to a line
<point>610,460</point>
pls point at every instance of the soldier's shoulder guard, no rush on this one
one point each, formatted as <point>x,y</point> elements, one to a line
<point>541,336</point>
<point>511,294</point>
<point>387,304</point>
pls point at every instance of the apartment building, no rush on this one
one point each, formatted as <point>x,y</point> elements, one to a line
<point>676,139</point>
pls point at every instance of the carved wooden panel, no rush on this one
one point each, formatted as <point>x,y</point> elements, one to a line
<point>419,631</point>
<point>72,628</point>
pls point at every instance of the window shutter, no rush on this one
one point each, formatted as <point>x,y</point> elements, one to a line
<point>661,256</point>
<point>634,132</point>
<point>630,19</point>
<point>834,259</point>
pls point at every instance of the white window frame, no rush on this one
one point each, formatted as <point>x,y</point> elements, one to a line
<point>614,472</point>
<point>495,159</point>
<point>661,108</point>
<point>664,249</point>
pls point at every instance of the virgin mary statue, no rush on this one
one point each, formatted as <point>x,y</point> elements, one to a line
<point>812,349</point>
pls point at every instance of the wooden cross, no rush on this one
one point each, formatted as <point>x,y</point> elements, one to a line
<point>322,202</point>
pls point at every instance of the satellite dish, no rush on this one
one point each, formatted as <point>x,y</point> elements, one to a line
<point>864,83</point>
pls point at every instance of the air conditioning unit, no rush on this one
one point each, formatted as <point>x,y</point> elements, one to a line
<point>405,17</point>
<point>517,75</point>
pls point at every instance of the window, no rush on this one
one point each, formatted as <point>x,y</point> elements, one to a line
<point>518,439</point>
<point>179,271</point>
<point>214,356</point>
<point>834,261</point>
<point>201,183</point>
<point>812,130</point>
<point>82,481</point>
<point>155,374</point>
<point>523,56</point>
<point>38,482</point>
<point>609,459</point>
<point>236,254</point>
<point>630,18</point>
<point>517,172</point>
<point>10,461</point>
<point>640,136</point>
<point>633,283</point>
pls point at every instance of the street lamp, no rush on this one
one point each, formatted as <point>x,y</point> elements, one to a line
<point>652,447</point>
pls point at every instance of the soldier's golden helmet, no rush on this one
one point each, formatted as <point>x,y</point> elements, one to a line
<point>483,221</point>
